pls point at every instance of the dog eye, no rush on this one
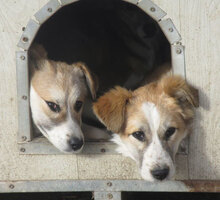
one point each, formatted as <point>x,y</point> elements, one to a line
<point>169,132</point>
<point>139,135</point>
<point>54,107</point>
<point>78,106</point>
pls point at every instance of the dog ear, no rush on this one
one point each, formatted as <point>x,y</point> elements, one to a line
<point>110,108</point>
<point>91,79</point>
<point>38,55</point>
<point>185,95</point>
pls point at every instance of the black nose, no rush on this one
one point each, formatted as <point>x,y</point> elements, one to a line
<point>76,143</point>
<point>160,174</point>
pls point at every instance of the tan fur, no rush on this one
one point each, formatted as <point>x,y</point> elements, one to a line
<point>110,108</point>
<point>171,95</point>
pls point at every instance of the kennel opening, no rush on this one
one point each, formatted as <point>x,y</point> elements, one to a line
<point>63,27</point>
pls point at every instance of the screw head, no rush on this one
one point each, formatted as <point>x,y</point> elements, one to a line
<point>109,184</point>
<point>25,39</point>
<point>22,149</point>
<point>24,138</point>
<point>152,9</point>
<point>103,150</point>
<point>11,186</point>
<point>110,196</point>
<point>49,9</point>
<point>170,29</point>
<point>24,97</point>
<point>178,51</point>
<point>22,57</point>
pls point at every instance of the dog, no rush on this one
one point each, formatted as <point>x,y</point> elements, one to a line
<point>150,122</point>
<point>57,95</point>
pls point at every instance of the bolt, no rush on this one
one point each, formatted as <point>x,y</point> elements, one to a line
<point>23,28</point>
<point>24,97</point>
<point>178,51</point>
<point>25,39</point>
<point>24,138</point>
<point>109,184</point>
<point>49,10</point>
<point>11,186</point>
<point>171,29</point>
<point>22,149</point>
<point>110,196</point>
<point>22,57</point>
<point>103,150</point>
<point>152,9</point>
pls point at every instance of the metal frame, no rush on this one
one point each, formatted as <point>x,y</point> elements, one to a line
<point>30,145</point>
<point>103,188</point>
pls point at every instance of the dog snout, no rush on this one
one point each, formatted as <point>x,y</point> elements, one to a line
<point>160,173</point>
<point>76,143</point>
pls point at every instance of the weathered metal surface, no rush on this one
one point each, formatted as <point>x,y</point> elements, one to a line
<point>151,9</point>
<point>47,11</point>
<point>169,31</point>
<point>202,186</point>
<point>89,185</point>
<point>178,59</point>
<point>41,145</point>
<point>132,1</point>
<point>28,35</point>
<point>24,129</point>
<point>66,2</point>
<point>107,195</point>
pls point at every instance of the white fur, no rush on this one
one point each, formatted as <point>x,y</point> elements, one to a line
<point>59,134</point>
<point>152,115</point>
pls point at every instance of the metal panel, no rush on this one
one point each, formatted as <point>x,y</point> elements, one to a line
<point>47,11</point>
<point>28,34</point>
<point>41,145</point>
<point>178,59</point>
<point>151,9</point>
<point>66,2</point>
<point>92,185</point>
<point>107,195</point>
<point>24,128</point>
<point>132,1</point>
<point>170,30</point>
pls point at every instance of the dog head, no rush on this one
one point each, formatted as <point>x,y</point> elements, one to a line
<point>57,94</point>
<point>149,123</point>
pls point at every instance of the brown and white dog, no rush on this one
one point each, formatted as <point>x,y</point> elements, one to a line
<point>149,123</point>
<point>57,94</point>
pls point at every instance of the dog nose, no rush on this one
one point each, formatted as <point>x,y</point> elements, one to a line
<point>76,143</point>
<point>160,174</point>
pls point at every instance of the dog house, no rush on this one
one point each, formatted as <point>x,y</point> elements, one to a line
<point>35,165</point>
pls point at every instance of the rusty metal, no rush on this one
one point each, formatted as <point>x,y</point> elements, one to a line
<point>202,185</point>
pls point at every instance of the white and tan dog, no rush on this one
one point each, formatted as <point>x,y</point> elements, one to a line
<point>57,94</point>
<point>149,123</point>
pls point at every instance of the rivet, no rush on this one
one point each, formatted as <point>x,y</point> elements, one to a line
<point>109,184</point>
<point>25,39</point>
<point>103,150</point>
<point>24,97</point>
<point>178,51</point>
<point>23,28</point>
<point>22,149</point>
<point>171,29</point>
<point>24,138</point>
<point>152,9</point>
<point>110,196</point>
<point>11,186</point>
<point>49,10</point>
<point>22,57</point>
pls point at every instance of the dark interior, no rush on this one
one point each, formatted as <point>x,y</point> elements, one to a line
<point>114,38</point>
<point>118,41</point>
